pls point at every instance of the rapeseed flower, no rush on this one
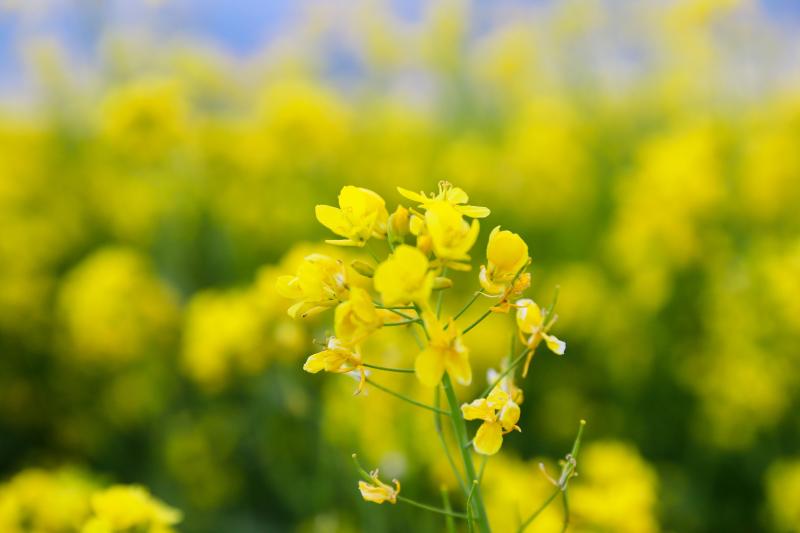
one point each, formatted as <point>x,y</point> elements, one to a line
<point>377,491</point>
<point>404,277</point>
<point>500,415</point>
<point>451,236</point>
<point>356,318</point>
<point>320,283</point>
<point>361,214</point>
<point>454,196</point>
<point>506,255</point>
<point>532,329</point>
<point>339,358</point>
<point>446,351</point>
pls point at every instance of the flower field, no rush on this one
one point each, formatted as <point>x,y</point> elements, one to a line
<point>401,266</point>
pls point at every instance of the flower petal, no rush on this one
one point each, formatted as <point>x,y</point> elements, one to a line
<point>429,367</point>
<point>489,438</point>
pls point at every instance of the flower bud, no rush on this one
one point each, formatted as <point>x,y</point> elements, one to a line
<point>442,283</point>
<point>363,268</point>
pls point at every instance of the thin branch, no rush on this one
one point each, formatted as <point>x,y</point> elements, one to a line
<point>389,369</point>
<point>407,399</point>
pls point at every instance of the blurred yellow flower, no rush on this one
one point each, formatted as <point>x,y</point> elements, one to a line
<point>121,508</point>
<point>506,254</point>
<point>114,309</point>
<point>500,415</point>
<point>448,194</point>
<point>361,214</point>
<point>783,492</point>
<point>320,283</point>
<point>404,277</point>
<point>377,491</point>
<point>532,329</point>
<point>446,351</point>
<point>338,358</point>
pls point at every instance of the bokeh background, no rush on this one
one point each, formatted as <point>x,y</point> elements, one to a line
<point>159,166</point>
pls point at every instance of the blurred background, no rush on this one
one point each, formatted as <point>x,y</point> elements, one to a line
<point>159,166</point>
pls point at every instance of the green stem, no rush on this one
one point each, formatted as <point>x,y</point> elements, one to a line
<point>407,399</point>
<point>403,323</point>
<point>398,313</point>
<point>451,526</point>
<point>369,250</point>
<point>389,369</point>
<point>467,305</point>
<point>460,429</point>
<point>478,321</point>
<point>514,364</point>
<point>538,511</point>
<point>431,508</point>
<point>440,432</point>
<point>566,512</point>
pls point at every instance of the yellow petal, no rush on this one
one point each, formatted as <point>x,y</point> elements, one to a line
<point>556,345</point>
<point>529,315</point>
<point>411,195</point>
<point>429,367</point>
<point>333,219</point>
<point>489,438</point>
<point>473,211</point>
<point>458,368</point>
<point>509,416</point>
<point>288,287</point>
<point>478,410</point>
<point>315,362</point>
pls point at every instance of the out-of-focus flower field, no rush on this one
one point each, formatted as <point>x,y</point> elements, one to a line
<point>649,154</point>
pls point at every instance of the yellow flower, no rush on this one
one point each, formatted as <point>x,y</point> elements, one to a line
<point>500,415</point>
<point>356,318</point>
<point>320,283</point>
<point>451,236</point>
<point>506,384</point>
<point>398,225</point>
<point>338,358</point>
<point>122,508</point>
<point>532,329</point>
<point>449,194</point>
<point>377,491</point>
<point>404,277</point>
<point>445,351</point>
<point>361,214</point>
<point>506,254</point>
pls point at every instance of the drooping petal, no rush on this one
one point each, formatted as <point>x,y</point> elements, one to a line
<point>315,362</point>
<point>556,345</point>
<point>429,367</point>
<point>489,438</point>
<point>458,367</point>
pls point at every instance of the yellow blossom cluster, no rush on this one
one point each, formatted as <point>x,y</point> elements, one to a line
<point>68,500</point>
<point>399,291</point>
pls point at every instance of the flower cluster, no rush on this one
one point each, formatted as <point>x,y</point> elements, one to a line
<point>422,244</point>
<point>71,501</point>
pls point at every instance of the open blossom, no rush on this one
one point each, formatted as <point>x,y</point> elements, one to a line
<point>446,351</point>
<point>377,491</point>
<point>506,255</point>
<point>454,196</point>
<point>338,358</point>
<point>404,277</point>
<point>320,283</point>
<point>356,318</point>
<point>500,415</point>
<point>532,329</point>
<point>361,214</point>
<point>451,236</point>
